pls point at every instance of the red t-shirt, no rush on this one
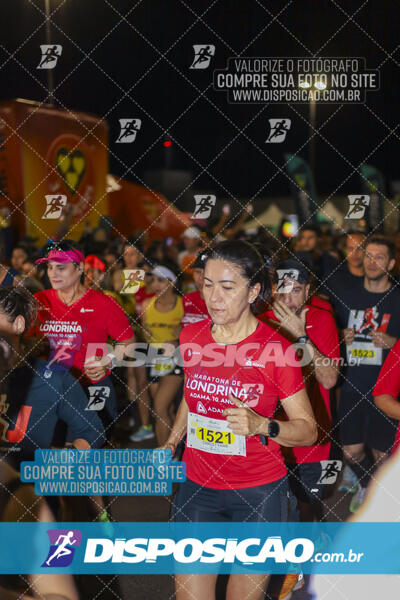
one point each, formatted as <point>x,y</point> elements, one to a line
<point>322,331</point>
<point>91,320</point>
<point>321,303</point>
<point>207,389</point>
<point>194,308</point>
<point>389,382</point>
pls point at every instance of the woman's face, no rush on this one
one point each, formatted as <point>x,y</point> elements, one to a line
<point>110,259</point>
<point>63,276</point>
<point>100,235</point>
<point>29,269</point>
<point>131,257</point>
<point>93,277</point>
<point>117,281</point>
<point>17,258</point>
<point>198,278</point>
<point>226,291</point>
<point>161,285</point>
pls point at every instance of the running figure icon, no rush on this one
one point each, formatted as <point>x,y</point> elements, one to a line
<point>62,549</point>
<point>202,56</point>
<point>279,129</point>
<point>370,322</point>
<point>50,55</point>
<point>330,471</point>
<point>55,206</point>
<point>129,130</point>
<point>204,205</point>
<point>357,206</point>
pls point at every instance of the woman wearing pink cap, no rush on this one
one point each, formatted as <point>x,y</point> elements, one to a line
<point>77,323</point>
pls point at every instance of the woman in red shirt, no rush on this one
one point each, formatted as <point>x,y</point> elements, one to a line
<point>78,323</point>
<point>234,472</point>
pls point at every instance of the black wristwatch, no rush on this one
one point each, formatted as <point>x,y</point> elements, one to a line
<point>303,339</point>
<point>273,432</point>
<point>273,429</point>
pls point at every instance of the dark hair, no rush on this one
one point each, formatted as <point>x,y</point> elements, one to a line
<point>382,241</point>
<point>135,242</point>
<point>313,228</point>
<point>22,247</point>
<point>355,232</point>
<point>16,301</point>
<point>253,267</point>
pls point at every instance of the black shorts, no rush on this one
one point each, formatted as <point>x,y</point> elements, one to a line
<point>303,478</point>
<point>360,421</point>
<point>271,502</point>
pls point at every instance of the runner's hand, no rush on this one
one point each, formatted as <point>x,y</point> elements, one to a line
<point>243,420</point>
<point>348,336</point>
<point>78,444</point>
<point>168,446</point>
<point>294,324</point>
<point>97,367</point>
<point>382,340</point>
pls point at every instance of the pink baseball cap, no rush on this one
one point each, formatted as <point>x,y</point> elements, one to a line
<point>62,256</point>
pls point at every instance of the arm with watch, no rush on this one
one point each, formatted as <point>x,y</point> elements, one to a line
<point>299,430</point>
<point>296,326</point>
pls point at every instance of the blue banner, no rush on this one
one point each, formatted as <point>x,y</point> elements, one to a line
<point>71,472</point>
<point>167,548</point>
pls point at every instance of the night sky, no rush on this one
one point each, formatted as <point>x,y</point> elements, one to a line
<point>112,65</point>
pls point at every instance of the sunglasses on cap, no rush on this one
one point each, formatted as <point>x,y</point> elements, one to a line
<point>54,245</point>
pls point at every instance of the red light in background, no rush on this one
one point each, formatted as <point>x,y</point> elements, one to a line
<point>168,143</point>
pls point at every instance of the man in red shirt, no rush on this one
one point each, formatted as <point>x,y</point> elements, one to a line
<point>315,329</point>
<point>194,306</point>
<point>387,390</point>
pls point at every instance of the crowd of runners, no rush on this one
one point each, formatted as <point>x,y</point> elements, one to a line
<point>269,368</point>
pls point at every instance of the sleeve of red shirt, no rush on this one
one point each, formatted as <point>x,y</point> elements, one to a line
<point>324,334</point>
<point>119,328</point>
<point>288,379</point>
<point>389,377</point>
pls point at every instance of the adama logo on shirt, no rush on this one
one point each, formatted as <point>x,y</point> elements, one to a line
<point>201,408</point>
<point>250,363</point>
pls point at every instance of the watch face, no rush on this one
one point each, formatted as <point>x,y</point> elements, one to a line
<point>273,429</point>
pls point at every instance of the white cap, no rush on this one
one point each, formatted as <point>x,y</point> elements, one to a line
<point>192,233</point>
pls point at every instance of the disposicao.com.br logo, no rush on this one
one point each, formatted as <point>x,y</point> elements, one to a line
<point>62,547</point>
<point>193,550</point>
